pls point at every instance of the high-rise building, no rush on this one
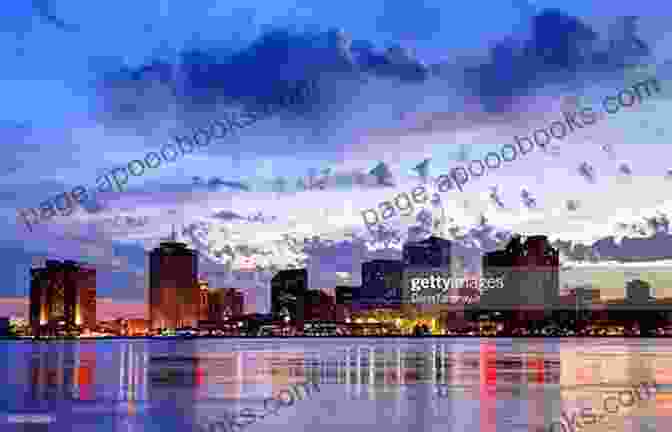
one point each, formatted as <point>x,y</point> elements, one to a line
<point>225,303</point>
<point>432,252</point>
<point>174,292</point>
<point>531,276</point>
<point>638,291</point>
<point>381,282</point>
<point>62,295</point>
<point>204,309</point>
<point>319,306</point>
<point>425,259</point>
<point>344,295</point>
<point>288,291</point>
<point>4,326</point>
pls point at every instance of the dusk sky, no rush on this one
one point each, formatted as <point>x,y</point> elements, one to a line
<point>89,87</point>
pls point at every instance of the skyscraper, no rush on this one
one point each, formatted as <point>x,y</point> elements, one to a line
<point>225,303</point>
<point>203,287</point>
<point>62,295</point>
<point>381,281</point>
<point>288,290</point>
<point>174,292</point>
<point>432,252</point>
<point>531,277</point>
<point>425,258</point>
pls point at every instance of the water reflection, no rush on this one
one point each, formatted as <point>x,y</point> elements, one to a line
<point>484,385</point>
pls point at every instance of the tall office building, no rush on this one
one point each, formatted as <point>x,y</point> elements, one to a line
<point>424,259</point>
<point>638,291</point>
<point>62,295</point>
<point>381,282</point>
<point>432,252</point>
<point>225,303</point>
<point>531,276</point>
<point>203,289</point>
<point>174,291</point>
<point>288,291</point>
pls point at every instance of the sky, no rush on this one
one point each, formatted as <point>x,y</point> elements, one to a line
<point>93,87</point>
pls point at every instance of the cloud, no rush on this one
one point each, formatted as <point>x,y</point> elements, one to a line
<point>560,47</point>
<point>254,75</point>
<point>374,106</point>
<point>44,9</point>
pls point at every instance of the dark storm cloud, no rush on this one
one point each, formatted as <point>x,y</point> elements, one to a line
<point>216,181</point>
<point>226,215</point>
<point>395,62</point>
<point>44,10</point>
<point>657,246</point>
<point>561,48</point>
<point>256,75</point>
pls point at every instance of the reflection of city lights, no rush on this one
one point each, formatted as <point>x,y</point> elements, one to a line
<point>347,320</point>
<point>359,321</point>
<point>398,322</point>
<point>43,322</point>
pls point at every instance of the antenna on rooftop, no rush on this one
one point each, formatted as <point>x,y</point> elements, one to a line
<point>173,232</point>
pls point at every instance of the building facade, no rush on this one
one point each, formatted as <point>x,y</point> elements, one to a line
<point>638,291</point>
<point>62,296</point>
<point>203,291</point>
<point>432,252</point>
<point>174,292</point>
<point>343,297</point>
<point>427,258</point>
<point>319,306</point>
<point>381,283</point>
<point>4,326</point>
<point>530,271</point>
<point>288,291</point>
<point>225,303</point>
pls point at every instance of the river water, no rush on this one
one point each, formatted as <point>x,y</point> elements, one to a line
<point>469,384</point>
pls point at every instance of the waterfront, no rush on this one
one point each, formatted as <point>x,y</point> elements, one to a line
<point>395,384</point>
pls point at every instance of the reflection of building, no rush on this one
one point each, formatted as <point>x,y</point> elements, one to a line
<point>531,277</point>
<point>174,293</point>
<point>588,377</point>
<point>288,290</point>
<point>65,373</point>
<point>225,380</point>
<point>62,295</point>
<point>174,386</point>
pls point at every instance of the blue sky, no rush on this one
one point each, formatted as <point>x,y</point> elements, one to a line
<point>71,71</point>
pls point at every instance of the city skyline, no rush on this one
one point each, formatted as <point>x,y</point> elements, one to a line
<point>242,218</point>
